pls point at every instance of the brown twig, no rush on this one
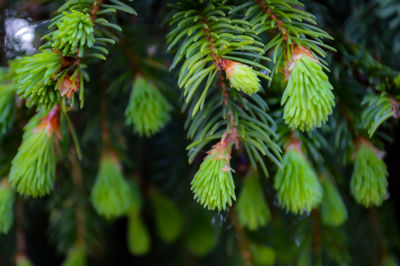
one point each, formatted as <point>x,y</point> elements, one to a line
<point>95,9</point>
<point>283,31</point>
<point>377,234</point>
<point>20,228</point>
<point>243,242</point>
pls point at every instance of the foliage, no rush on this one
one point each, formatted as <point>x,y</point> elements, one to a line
<point>369,180</point>
<point>148,110</point>
<point>297,184</point>
<point>333,210</point>
<point>6,207</point>
<point>253,211</point>
<point>111,195</point>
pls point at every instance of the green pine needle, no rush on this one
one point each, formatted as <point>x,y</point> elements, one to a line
<point>76,256</point>
<point>6,207</point>
<point>252,209</point>
<point>75,31</point>
<point>369,180</point>
<point>297,184</point>
<point>168,218</point>
<point>36,76</point>
<point>111,195</point>
<point>333,210</point>
<point>213,185</point>
<point>148,110</point>
<point>308,97</point>
<point>33,168</point>
<point>139,241</point>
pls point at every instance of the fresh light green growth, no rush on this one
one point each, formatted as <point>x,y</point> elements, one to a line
<point>241,76</point>
<point>33,168</point>
<point>369,180</point>
<point>308,97</point>
<point>262,255</point>
<point>74,31</point>
<point>297,184</point>
<point>111,195</point>
<point>7,107</point>
<point>201,237</point>
<point>139,241</point>
<point>148,110</point>
<point>213,185</point>
<point>36,78</point>
<point>169,220</point>
<point>76,256</point>
<point>333,210</point>
<point>6,207</point>
<point>23,261</point>
<point>252,209</point>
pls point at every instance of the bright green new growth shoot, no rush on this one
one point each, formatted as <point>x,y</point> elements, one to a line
<point>241,76</point>
<point>36,76</point>
<point>76,256</point>
<point>297,185</point>
<point>6,206</point>
<point>201,237</point>
<point>75,31</point>
<point>169,220</point>
<point>213,185</point>
<point>369,180</point>
<point>33,168</point>
<point>22,260</point>
<point>262,254</point>
<point>139,241</point>
<point>333,210</point>
<point>111,194</point>
<point>148,110</point>
<point>308,97</point>
<point>252,209</point>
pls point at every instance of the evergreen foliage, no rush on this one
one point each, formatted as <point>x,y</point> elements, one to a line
<point>111,195</point>
<point>7,106</point>
<point>296,183</point>
<point>333,210</point>
<point>33,168</point>
<point>220,95</point>
<point>213,185</point>
<point>6,207</point>
<point>201,236</point>
<point>76,256</point>
<point>252,209</point>
<point>168,219</point>
<point>148,110</point>
<point>308,99</point>
<point>369,180</point>
<point>138,239</point>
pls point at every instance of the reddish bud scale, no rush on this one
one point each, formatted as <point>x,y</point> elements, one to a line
<point>298,52</point>
<point>220,148</point>
<point>68,87</point>
<point>51,122</point>
<point>365,142</point>
<point>228,66</point>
